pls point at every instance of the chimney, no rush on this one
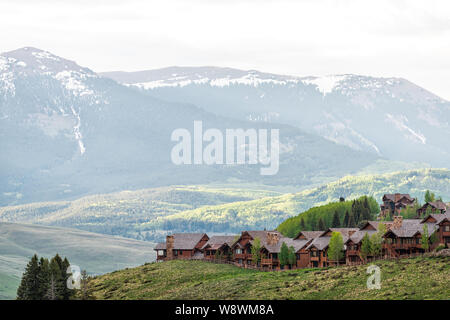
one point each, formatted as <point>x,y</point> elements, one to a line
<point>272,238</point>
<point>169,247</point>
<point>398,220</point>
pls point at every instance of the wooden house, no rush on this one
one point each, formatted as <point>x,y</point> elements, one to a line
<point>395,203</point>
<point>432,207</point>
<point>181,246</point>
<point>218,246</point>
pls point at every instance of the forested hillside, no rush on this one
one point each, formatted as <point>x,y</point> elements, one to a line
<point>152,213</point>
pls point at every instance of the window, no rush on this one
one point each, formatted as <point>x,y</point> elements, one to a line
<point>447,228</point>
<point>313,253</point>
<point>238,251</point>
<point>175,252</point>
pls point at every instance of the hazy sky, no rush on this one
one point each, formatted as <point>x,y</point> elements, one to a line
<point>409,39</point>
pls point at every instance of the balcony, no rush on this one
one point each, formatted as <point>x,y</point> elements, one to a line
<point>353,252</point>
<point>266,261</point>
<point>314,258</point>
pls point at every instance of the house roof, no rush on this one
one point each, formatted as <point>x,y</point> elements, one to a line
<point>215,242</point>
<point>309,234</point>
<point>160,246</point>
<point>397,197</point>
<point>344,231</point>
<point>186,241</point>
<point>411,227</point>
<point>376,224</point>
<point>436,204</point>
<point>276,248</point>
<point>359,235</point>
<point>320,243</point>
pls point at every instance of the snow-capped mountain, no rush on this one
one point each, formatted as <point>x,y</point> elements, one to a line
<point>390,117</point>
<point>66,131</point>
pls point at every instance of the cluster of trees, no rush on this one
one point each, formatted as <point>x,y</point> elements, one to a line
<point>46,279</point>
<point>355,215</point>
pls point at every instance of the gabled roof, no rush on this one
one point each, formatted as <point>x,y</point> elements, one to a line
<point>215,242</point>
<point>344,231</point>
<point>309,234</point>
<point>276,248</point>
<point>396,197</point>
<point>359,235</point>
<point>437,216</point>
<point>160,246</point>
<point>320,243</point>
<point>186,241</point>
<point>261,234</point>
<point>411,227</point>
<point>376,224</point>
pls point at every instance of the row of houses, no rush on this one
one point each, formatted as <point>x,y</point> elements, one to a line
<point>402,236</point>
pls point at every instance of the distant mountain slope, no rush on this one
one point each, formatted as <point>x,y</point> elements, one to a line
<point>391,117</point>
<point>66,132</point>
<point>151,214</point>
<point>94,252</point>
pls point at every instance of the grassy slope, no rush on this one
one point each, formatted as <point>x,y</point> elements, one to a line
<point>416,278</point>
<point>215,209</point>
<point>93,252</point>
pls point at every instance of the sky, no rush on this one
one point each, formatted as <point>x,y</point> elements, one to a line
<point>388,38</point>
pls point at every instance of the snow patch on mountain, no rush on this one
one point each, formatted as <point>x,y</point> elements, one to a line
<point>73,81</point>
<point>399,122</point>
<point>325,84</point>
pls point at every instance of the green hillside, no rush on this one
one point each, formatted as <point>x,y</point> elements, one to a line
<point>417,278</point>
<point>95,253</point>
<point>151,213</point>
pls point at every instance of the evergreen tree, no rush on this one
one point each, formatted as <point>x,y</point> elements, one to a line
<point>57,284</point>
<point>365,247</point>
<point>284,254</point>
<point>346,219</point>
<point>336,247</point>
<point>29,285</point>
<point>351,221</point>
<point>85,292</point>
<point>429,196</point>
<point>302,224</point>
<point>44,277</point>
<point>336,221</point>
<point>321,225</point>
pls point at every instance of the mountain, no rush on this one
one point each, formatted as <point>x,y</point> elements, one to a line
<point>66,131</point>
<point>152,213</point>
<point>95,253</point>
<point>390,117</point>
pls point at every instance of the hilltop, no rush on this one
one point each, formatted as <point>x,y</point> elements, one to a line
<point>416,278</point>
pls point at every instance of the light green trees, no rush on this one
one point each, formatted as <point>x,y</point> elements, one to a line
<point>256,251</point>
<point>292,258</point>
<point>376,241</point>
<point>365,247</point>
<point>336,247</point>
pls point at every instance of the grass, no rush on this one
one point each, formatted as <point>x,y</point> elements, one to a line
<point>414,278</point>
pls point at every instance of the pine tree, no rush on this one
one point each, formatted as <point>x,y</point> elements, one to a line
<point>29,285</point>
<point>346,219</point>
<point>321,225</point>
<point>351,221</point>
<point>44,277</point>
<point>302,224</point>
<point>336,221</point>
<point>85,293</point>
<point>57,281</point>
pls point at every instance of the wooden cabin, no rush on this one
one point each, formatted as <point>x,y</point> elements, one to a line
<point>218,247</point>
<point>395,203</point>
<point>181,246</point>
